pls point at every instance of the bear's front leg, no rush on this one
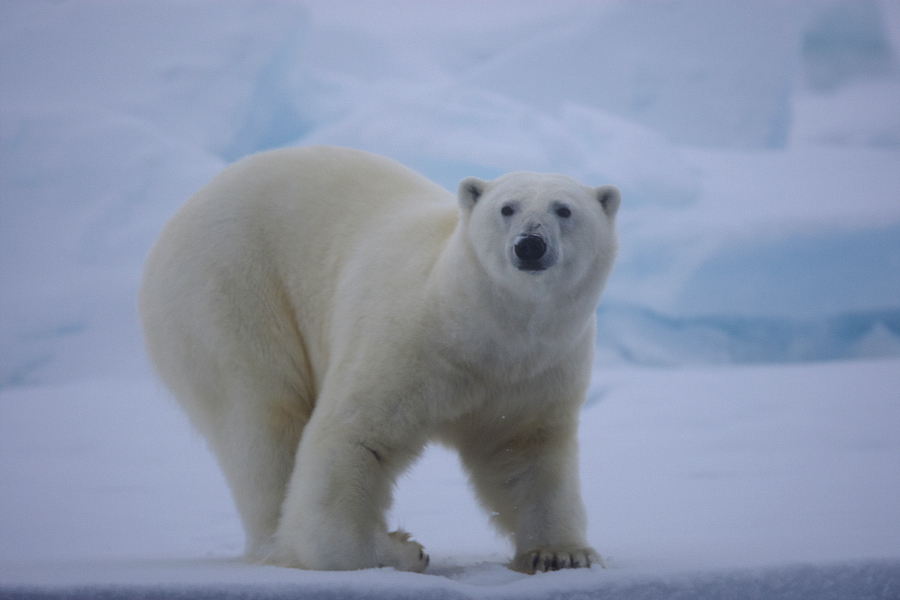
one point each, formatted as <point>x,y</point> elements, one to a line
<point>333,518</point>
<point>529,479</point>
<point>550,520</point>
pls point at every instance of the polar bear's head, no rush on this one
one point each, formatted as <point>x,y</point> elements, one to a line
<point>525,227</point>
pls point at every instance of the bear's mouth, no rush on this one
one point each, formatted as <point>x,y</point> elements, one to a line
<point>531,267</point>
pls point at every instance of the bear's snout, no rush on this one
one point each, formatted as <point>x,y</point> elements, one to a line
<point>530,249</point>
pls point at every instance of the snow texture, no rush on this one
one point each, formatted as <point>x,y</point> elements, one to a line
<point>870,580</point>
<point>741,437</point>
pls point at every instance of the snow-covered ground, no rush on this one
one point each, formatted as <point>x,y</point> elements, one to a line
<point>742,437</point>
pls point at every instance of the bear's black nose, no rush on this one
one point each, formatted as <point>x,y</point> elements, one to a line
<point>530,248</point>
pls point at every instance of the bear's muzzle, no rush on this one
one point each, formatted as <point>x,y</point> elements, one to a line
<point>530,249</point>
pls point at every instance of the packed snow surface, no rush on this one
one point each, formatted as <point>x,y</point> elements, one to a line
<point>742,434</point>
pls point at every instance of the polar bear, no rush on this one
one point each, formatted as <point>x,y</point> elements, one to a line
<point>322,313</point>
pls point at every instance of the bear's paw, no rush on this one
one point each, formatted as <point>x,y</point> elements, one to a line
<point>540,560</point>
<point>403,553</point>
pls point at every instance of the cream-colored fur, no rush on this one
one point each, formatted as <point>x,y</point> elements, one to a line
<point>322,313</point>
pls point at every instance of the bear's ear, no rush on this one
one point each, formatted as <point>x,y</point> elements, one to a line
<point>469,191</point>
<point>609,198</point>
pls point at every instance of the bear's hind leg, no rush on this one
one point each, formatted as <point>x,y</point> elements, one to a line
<point>256,448</point>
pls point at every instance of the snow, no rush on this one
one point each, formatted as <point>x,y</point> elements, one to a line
<point>692,476</point>
<point>741,435</point>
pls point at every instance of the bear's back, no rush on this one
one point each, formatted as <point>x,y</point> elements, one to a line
<point>320,201</point>
<point>264,248</point>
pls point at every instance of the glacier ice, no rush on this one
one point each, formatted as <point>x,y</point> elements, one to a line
<point>755,251</point>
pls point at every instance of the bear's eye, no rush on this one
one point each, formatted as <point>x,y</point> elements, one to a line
<point>563,212</point>
<point>507,211</point>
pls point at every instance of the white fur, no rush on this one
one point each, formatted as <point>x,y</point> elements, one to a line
<point>322,313</point>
